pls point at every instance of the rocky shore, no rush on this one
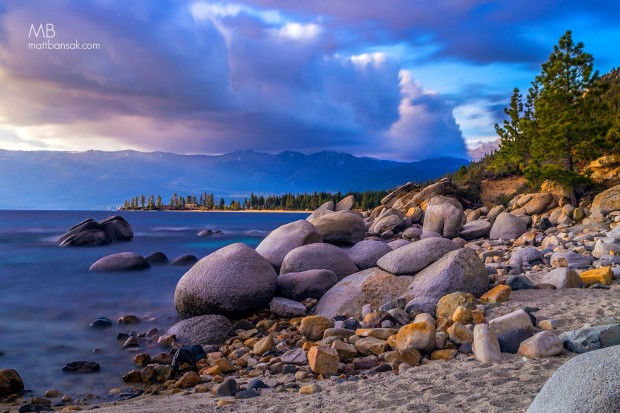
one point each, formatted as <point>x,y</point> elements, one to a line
<point>421,304</point>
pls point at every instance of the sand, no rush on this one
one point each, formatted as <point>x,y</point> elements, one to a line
<point>461,385</point>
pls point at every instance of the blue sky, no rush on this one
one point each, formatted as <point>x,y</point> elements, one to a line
<point>403,79</point>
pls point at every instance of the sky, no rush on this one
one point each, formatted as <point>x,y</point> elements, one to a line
<point>400,79</point>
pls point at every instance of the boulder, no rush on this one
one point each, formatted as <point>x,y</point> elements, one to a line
<point>366,253</point>
<point>387,222</point>
<point>326,208</point>
<point>507,226</point>
<point>116,228</point>
<point>538,204</point>
<point>121,261</point>
<point>519,282</point>
<point>495,211</point>
<point>346,227</point>
<point>233,279</point>
<point>314,326</point>
<point>459,270</point>
<point>562,278</point>
<point>88,238</point>
<point>306,284</point>
<point>10,383</point>
<point>515,320</point>
<point>591,338</point>
<point>606,202</point>
<point>284,307</point>
<point>570,260</point>
<point>443,215</point>
<point>543,344</point>
<point>186,260</point>
<point>92,233</point>
<point>396,244</point>
<point>372,286</point>
<point>442,187</point>
<point>475,229</point>
<point>418,336</point>
<point>345,204</point>
<point>603,275</point>
<point>485,345</point>
<point>416,256</point>
<point>526,255</point>
<point>602,248</point>
<point>586,384</point>
<point>319,257</point>
<point>398,193</point>
<point>509,341</point>
<point>450,302</point>
<point>286,238</point>
<point>203,329</point>
<point>157,258</point>
<point>323,360</point>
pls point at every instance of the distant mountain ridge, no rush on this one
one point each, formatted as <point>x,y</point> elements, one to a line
<point>102,180</point>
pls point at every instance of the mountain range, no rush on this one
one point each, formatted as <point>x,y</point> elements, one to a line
<point>102,180</point>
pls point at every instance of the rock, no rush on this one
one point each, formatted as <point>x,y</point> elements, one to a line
<point>459,270</point>
<point>606,202</point>
<point>345,351</point>
<point>460,334</point>
<point>121,261</point>
<point>509,341</point>
<point>442,187</point>
<point>365,254</point>
<point>296,356</point>
<point>485,345</point>
<point>287,308</point>
<point>263,345</point>
<point>101,323</point>
<point>591,338</point>
<point>306,284</point>
<point>494,212</point>
<point>345,204</point>
<point>187,380</point>
<point>475,229</point>
<point>204,329</point>
<point>538,204</point>
<point>443,215</point>
<point>450,302</point>
<point>412,233</point>
<point>421,304</point>
<point>570,259</point>
<point>313,327</point>
<point>10,383</point>
<point>233,279</point>
<point>519,282</point>
<point>81,367</point>
<point>416,256</point>
<point>387,222</point>
<point>507,226</point>
<point>323,360</point>
<point>396,244</point>
<point>205,233</point>
<point>286,238</point>
<point>398,193</point>
<point>187,260</point>
<point>497,294</point>
<point>562,278</point>
<point>543,344</point>
<point>310,389</point>
<point>564,392</point>
<point>372,286</point>
<point>91,233</point>
<point>157,258</point>
<point>116,228</point>
<point>602,275</point>
<point>418,336</point>
<point>602,248</point>
<point>326,208</point>
<point>518,319</point>
<point>226,388</point>
<point>526,255</point>
<point>319,257</point>
<point>371,345</point>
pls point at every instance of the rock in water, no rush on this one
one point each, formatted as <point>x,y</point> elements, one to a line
<point>444,215</point>
<point>586,384</point>
<point>186,260</point>
<point>92,233</point>
<point>318,257</point>
<point>346,227</point>
<point>157,258</point>
<point>122,261</point>
<point>233,279</point>
<point>284,239</point>
<point>203,329</point>
<point>459,270</point>
<point>365,254</point>
<point>372,286</point>
<point>416,256</point>
<point>10,383</point>
<point>306,284</point>
<point>82,367</point>
<point>117,228</point>
<point>507,226</point>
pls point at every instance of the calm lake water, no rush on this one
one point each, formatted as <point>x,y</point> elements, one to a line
<point>48,297</point>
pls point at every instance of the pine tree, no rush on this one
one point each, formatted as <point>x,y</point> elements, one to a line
<point>159,202</point>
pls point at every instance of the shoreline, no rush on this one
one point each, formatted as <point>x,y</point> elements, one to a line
<point>271,211</point>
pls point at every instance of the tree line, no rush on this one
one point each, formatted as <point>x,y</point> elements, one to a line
<point>288,202</point>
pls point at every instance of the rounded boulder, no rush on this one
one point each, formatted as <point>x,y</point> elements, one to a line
<point>286,238</point>
<point>365,254</point>
<point>507,226</point>
<point>306,284</point>
<point>203,329</point>
<point>416,256</point>
<point>319,257</point>
<point>233,279</point>
<point>121,261</point>
<point>346,227</point>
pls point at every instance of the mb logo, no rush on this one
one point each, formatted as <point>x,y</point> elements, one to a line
<point>44,30</point>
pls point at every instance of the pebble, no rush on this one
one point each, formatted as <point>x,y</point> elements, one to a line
<point>310,389</point>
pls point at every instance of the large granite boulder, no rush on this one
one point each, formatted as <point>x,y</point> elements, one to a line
<point>365,254</point>
<point>398,193</point>
<point>345,204</point>
<point>326,208</point>
<point>539,204</point>
<point>306,284</point>
<point>346,227</point>
<point>92,233</point>
<point>10,383</point>
<point>459,270</point>
<point>286,238</point>
<point>121,261</point>
<point>416,256</point>
<point>587,383</point>
<point>233,279</point>
<point>475,229</point>
<point>443,215</point>
<point>387,222</point>
<point>372,286</point>
<point>606,202</point>
<point>319,257</point>
<point>202,329</point>
<point>507,226</point>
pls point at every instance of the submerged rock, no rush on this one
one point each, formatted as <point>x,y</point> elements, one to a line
<point>121,261</point>
<point>10,383</point>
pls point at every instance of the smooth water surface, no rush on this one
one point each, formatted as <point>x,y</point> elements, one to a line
<point>48,297</point>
